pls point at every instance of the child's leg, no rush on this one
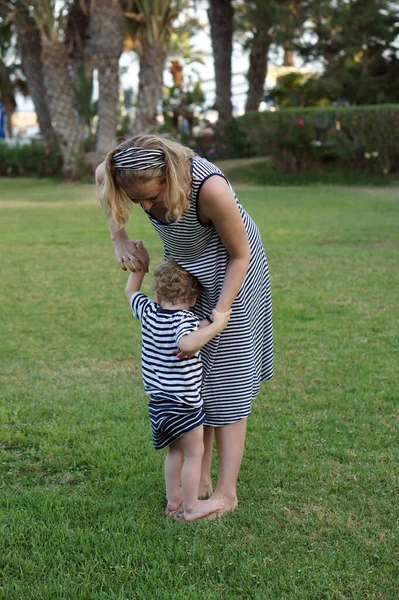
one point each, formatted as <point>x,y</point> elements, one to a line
<point>205,488</point>
<point>172,469</point>
<point>192,444</point>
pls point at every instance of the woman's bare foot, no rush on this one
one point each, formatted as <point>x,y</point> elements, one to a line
<point>201,510</point>
<point>173,509</point>
<point>205,491</point>
<point>228,506</point>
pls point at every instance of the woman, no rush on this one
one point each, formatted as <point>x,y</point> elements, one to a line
<point>203,228</point>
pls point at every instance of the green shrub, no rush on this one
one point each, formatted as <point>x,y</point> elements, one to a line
<point>363,138</point>
<point>29,160</point>
<point>232,139</point>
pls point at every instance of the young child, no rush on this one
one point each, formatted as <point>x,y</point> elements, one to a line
<point>170,331</point>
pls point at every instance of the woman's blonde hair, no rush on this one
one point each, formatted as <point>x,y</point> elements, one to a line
<point>175,174</point>
<point>174,284</point>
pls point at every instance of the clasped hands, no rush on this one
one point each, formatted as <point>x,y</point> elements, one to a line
<point>132,255</point>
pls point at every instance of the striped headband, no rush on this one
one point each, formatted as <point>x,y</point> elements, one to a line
<point>138,159</point>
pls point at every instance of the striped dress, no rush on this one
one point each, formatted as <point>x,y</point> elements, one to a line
<point>174,385</point>
<point>241,356</point>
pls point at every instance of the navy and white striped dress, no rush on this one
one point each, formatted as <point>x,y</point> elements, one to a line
<point>174,385</point>
<point>241,356</point>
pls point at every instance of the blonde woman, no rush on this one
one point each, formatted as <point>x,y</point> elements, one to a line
<point>204,228</point>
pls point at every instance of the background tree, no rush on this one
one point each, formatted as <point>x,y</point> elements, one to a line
<point>11,75</point>
<point>106,43</point>
<point>261,25</point>
<point>30,53</point>
<point>151,25</point>
<point>82,64</point>
<point>183,98</point>
<point>355,41</point>
<point>220,14</point>
<point>51,22</point>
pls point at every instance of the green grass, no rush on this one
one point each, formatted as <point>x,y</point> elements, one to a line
<point>82,495</point>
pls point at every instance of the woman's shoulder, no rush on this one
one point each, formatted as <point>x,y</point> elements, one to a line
<point>100,173</point>
<point>201,168</point>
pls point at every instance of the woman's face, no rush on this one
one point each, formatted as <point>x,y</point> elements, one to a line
<point>146,193</point>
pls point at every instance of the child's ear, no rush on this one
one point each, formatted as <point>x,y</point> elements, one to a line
<point>158,298</point>
<point>193,301</point>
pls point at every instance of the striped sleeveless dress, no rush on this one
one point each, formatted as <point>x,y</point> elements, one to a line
<point>241,356</point>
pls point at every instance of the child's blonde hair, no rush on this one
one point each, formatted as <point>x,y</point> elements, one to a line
<point>174,284</point>
<point>175,174</point>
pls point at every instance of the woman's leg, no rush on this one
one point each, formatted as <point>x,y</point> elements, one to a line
<point>230,442</point>
<point>205,487</point>
<point>172,469</point>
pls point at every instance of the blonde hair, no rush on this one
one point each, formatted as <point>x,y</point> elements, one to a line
<point>174,284</point>
<point>175,175</point>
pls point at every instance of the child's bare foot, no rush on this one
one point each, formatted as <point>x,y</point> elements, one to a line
<point>201,510</point>
<point>173,509</point>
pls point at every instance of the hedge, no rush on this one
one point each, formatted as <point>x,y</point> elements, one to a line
<point>29,160</point>
<point>365,138</point>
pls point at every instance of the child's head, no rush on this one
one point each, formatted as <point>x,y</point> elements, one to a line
<point>173,284</point>
<point>142,159</point>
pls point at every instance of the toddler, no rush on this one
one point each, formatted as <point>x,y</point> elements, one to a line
<point>172,375</point>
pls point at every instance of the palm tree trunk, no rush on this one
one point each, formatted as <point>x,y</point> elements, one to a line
<point>257,70</point>
<point>10,105</point>
<point>106,44</point>
<point>288,57</point>
<point>150,88</point>
<point>62,106</point>
<point>220,14</point>
<point>30,51</point>
<point>108,79</point>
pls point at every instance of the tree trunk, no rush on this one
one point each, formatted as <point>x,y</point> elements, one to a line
<point>257,70</point>
<point>30,50</point>
<point>150,88</point>
<point>106,43</point>
<point>220,14</point>
<point>108,79</point>
<point>10,105</point>
<point>62,107</point>
<point>288,57</point>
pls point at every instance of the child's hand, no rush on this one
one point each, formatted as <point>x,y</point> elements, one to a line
<point>220,319</point>
<point>142,256</point>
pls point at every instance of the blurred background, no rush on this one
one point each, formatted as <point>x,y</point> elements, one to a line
<point>309,84</point>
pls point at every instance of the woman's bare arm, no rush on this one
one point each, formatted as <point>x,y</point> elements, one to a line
<point>217,205</point>
<point>130,254</point>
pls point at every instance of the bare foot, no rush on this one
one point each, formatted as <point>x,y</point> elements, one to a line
<point>173,509</point>
<point>202,509</point>
<point>228,507</point>
<point>205,491</point>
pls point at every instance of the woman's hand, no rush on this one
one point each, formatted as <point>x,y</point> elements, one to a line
<point>132,255</point>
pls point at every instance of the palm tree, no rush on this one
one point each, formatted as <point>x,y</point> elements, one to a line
<point>152,27</point>
<point>220,16</point>
<point>11,76</point>
<point>51,23</point>
<point>30,52</point>
<point>82,63</point>
<point>106,43</point>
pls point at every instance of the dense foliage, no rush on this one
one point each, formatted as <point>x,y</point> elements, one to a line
<point>363,138</point>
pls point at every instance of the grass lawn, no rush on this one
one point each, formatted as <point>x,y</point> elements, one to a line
<point>82,495</point>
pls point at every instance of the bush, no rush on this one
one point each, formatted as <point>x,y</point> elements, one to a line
<point>364,138</point>
<point>29,160</point>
